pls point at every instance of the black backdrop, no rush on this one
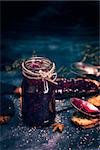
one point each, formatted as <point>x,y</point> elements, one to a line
<point>50,16</point>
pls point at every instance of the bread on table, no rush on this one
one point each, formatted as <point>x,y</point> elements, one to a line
<point>84,121</point>
<point>4,119</point>
<point>95,100</point>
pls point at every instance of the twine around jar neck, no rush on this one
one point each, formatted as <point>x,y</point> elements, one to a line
<point>36,72</point>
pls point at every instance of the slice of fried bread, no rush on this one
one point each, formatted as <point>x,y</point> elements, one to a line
<point>4,119</point>
<point>83,120</point>
<point>95,100</point>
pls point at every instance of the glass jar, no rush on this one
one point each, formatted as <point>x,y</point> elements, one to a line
<point>38,91</point>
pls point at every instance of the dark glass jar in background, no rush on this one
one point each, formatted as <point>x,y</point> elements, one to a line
<point>38,91</point>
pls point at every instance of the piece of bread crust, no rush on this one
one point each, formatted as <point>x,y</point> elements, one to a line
<point>84,121</point>
<point>4,119</point>
<point>95,100</point>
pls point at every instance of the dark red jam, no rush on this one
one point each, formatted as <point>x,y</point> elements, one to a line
<point>38,109</point>
<point>74,88</point>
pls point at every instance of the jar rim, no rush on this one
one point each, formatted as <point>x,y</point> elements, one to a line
<point>38,68</point>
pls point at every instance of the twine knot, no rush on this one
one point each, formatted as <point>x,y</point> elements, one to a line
<point>39,73</point>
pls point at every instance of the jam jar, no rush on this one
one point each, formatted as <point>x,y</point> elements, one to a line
<point>38,91</point>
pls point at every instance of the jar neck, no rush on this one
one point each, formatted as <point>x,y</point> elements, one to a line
<point>42,69</point>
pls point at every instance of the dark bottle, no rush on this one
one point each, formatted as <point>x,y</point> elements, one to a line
<point>38,94</point>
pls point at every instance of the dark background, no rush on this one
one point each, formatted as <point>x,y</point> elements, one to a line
<point>51,28</point>
<point>48,17</point>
